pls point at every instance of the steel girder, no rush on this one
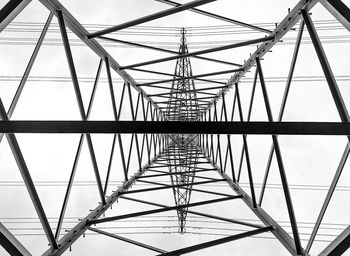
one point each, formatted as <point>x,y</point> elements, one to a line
<point>175,127</point>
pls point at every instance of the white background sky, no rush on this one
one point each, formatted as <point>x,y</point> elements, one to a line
<point>308,160</point>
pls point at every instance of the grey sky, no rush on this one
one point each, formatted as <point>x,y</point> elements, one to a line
<point>310,162</point>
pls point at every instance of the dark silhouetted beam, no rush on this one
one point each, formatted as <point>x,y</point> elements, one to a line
<point>10,11</point>
<point>339,245</point>
<point>151,17</point>
<point>11,244</point>
<point>339,10</point>
<point>286,128</point>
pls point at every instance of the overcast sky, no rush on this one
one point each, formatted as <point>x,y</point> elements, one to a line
<point>310,161</point>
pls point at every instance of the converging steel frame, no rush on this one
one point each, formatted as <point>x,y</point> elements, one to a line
<point>151,137</point>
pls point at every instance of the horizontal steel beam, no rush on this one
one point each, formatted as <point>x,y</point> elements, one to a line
<point>164,209</point>
<point>205,51</point>
<point>176,127</point>
<point>215,16</point>
<point>192,77</point>
<point>163,50</point>
<point>151,17</point>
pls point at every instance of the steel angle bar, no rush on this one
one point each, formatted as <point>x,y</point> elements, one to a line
<point>22,166</point>
<point>281,168</point>
<point>116,114</point>
<point>77,156</point>
<point>130,241</point>
<point>283,27</point>
<point>283,104</point>
<point>244,223</point>
<point>28,69</point>
<point>110,164</point>
<point>219,17</point>
<point>81,33</point>
<point>192,77</point>
<point>68,239</point>
<point>79,100</point>
<point>245,144</point>
<point>164,50</point>
<point>215,49</point>
<point>339,10</point>
<point>11,244</point>
<point>150,17</point>
<point>335,8</point>
<point>164,209</point>
<point>332,83</point>
<point>248,119</point>
<point>339,245</point>
<point>173,75</point>
<point>133,114</point>
<point>172,186</point>
<point>227,239</point>
<point>328,196</point>
<point>187,188</point>
<point>10,11</point>
<point>285,239</point>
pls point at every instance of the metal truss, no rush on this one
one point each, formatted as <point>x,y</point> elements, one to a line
<point>180,134</point>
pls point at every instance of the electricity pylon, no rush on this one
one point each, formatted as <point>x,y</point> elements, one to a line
<point>182,106</point>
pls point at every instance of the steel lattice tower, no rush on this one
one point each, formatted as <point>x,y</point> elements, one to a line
<point>183,106</point>
<point>180,145</point>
